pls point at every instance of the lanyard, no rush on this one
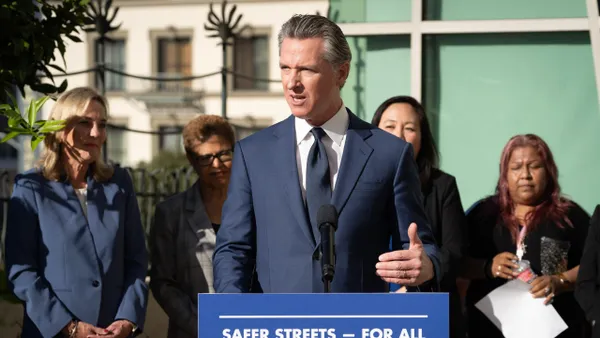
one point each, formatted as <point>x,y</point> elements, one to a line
<point>521,243</point>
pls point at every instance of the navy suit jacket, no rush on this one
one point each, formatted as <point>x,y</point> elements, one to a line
<point>265,223</point>
<point>64,266</point>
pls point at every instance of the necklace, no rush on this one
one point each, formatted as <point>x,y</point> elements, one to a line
<point>521,247</point>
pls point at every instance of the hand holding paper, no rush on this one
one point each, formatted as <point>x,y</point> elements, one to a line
<point>518,315</point>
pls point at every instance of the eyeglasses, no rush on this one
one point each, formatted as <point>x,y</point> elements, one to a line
<point>208,159</point>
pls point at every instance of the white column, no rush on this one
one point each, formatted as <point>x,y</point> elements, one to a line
<point>594,25</point>
<point>416,50</point>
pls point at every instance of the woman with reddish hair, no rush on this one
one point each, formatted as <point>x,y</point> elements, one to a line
<point>527,220</point>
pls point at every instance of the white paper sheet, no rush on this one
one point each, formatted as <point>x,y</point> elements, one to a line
<point>518,315</point>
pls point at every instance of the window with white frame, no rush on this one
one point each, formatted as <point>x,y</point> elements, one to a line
<point>174,60</point>
<point>114,58</point>
<point>485,71</point>
<point>251,61</point>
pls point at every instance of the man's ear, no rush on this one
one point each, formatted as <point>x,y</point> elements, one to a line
<point>342,73</point>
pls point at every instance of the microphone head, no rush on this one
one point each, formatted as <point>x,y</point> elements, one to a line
<point>327,214</point>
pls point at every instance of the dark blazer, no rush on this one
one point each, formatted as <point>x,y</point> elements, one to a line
<point>182,241</point>
<point>445,213</point>
<point>587,288</point>
<point>449,225</point>
<point>64,266</point>
<point>377,195</point>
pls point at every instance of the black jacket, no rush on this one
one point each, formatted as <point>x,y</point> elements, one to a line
<point>587,289</point>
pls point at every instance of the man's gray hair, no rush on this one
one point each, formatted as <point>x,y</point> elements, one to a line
<point>337,50</point>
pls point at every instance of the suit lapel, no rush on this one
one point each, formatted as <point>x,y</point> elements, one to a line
<point>97,197</point>
<point>103,216</point>
<point>355,156</point>
<point>77,224</point>
<point>195,212</point>
<point>285,151</point>
<point>73,217</point>
<point>200,224</point>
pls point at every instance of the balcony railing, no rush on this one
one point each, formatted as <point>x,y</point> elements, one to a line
<point>172,86</point>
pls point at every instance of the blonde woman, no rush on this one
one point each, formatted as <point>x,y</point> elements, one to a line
<point>75,249</point>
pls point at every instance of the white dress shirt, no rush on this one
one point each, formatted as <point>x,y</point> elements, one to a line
<point>334,142</point>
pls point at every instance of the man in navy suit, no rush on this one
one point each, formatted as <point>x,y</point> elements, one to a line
<point>322,154</point>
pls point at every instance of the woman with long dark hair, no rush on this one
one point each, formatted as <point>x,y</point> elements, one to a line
<point>405,117</point>
<point>526,220</point>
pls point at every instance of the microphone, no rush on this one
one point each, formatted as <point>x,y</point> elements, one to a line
<point>327,220</point>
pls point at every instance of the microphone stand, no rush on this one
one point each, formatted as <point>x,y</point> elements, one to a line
<point>328,272</point>
<point>327,255</point>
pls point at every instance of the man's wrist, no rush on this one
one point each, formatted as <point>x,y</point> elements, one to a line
<point>430,270</point>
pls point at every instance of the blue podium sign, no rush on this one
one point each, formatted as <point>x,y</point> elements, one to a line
<point>333,315</point>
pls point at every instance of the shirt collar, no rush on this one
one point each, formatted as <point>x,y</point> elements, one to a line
<point>335,128</point>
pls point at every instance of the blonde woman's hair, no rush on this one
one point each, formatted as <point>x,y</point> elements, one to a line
<point>71,104</point>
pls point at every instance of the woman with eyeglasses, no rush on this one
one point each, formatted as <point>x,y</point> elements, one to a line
<point>182,238</point>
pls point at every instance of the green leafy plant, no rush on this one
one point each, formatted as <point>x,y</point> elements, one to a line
<point>33,34</point>
<point>18,124</point>
<point>32,31</point>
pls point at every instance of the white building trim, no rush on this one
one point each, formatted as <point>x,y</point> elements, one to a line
<point>594,27</point>
<point>504,26</point>
<point>416,50</point>
<point>376,28</point>
<point>464,27</point>
<point>417,28</point>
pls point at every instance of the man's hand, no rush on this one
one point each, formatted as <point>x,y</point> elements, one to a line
<point>118,329</point>
<point>410,267</point>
